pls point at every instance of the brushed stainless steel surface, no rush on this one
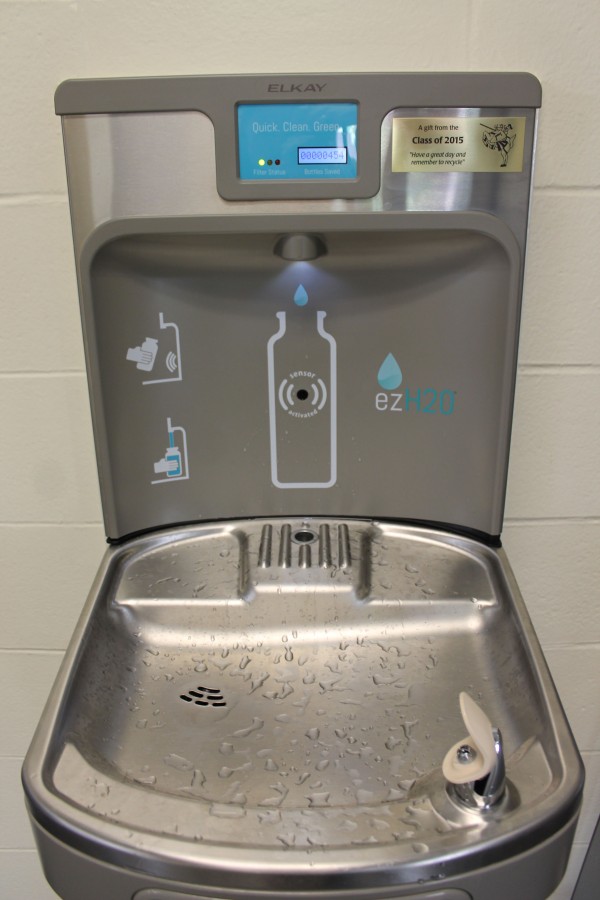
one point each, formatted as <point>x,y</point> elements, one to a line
<point>139,173</point>
<point>163,164</point>
<point>226,718</point>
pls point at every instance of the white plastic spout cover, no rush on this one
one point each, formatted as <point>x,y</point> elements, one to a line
<point>480,738</point>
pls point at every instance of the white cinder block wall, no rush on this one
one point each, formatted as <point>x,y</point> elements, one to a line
<point>50,531</point>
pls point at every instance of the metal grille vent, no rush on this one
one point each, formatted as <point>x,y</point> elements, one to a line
<point>305,548</point>
<point>203,696</point>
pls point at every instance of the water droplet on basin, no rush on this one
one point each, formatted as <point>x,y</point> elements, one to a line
<point>395,794</point>
<point>100,789</point>
<point>278,798</point>
<point>407,728</point>
<point>257,724</point>
<point>313,734</point>
<point>178,762</point>
<point>269,817</point>
<point>146,779</point>
<point>288,840</point>
<point>198,778</point>
<point>226,811</point>
<point>319,798</point>
<point>406,784</point>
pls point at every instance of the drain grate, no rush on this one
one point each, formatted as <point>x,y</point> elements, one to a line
<point>305,538</point>
<point>203,696</point>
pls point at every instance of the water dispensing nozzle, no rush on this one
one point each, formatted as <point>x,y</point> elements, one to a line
<point>474,767</point>
<point>300,247</point>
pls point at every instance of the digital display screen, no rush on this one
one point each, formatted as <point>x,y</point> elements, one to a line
<point>307,155</point>
<point>297,141</point>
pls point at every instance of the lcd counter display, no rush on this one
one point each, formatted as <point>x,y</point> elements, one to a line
<point>309,155</point>
<point>297,141</point>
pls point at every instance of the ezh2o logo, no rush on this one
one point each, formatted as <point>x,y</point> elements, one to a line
<point>422,400</point>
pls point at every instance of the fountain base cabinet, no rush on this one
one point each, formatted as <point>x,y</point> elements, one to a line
<point>304,669</point>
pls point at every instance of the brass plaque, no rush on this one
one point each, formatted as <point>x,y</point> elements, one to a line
<point>458,144</point>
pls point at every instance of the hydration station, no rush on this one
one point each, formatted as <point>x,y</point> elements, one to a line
<point>304,669</point>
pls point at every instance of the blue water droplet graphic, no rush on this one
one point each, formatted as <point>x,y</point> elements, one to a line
<point>300,297</point>
<point>390,374</point>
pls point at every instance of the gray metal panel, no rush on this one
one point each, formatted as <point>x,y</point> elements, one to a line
<point>155,174</point>
<point>249,439</point>
<point>451,894</point>
<point>164,164</point>
<point>532,875</point>
<point>589,878</point>
<point>375,94</point>
<point>209,92</point>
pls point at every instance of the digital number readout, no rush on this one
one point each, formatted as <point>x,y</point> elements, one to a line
<point>309,155</point>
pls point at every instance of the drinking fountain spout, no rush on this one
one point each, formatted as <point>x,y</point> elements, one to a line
<point>300,247</point>
<point>474,767</point>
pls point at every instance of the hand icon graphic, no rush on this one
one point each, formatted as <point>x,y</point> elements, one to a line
<point>145,355</point>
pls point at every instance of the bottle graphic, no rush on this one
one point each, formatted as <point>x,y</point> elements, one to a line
<point>302,369</point>
<point>170,464</point>
<point>174,464</point>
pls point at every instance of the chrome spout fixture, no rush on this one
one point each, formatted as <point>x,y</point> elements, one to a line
<point>483,793</point>
<point>300,247</point>
<point>474,767</point>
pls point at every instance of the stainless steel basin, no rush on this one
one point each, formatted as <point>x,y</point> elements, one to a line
<point>277,697</point>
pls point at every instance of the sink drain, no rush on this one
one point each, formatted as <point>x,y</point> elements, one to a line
<point>203,696</point>
<point>305,536</point>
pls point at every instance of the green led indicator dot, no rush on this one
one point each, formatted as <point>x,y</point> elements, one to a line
<point>261,162</point>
